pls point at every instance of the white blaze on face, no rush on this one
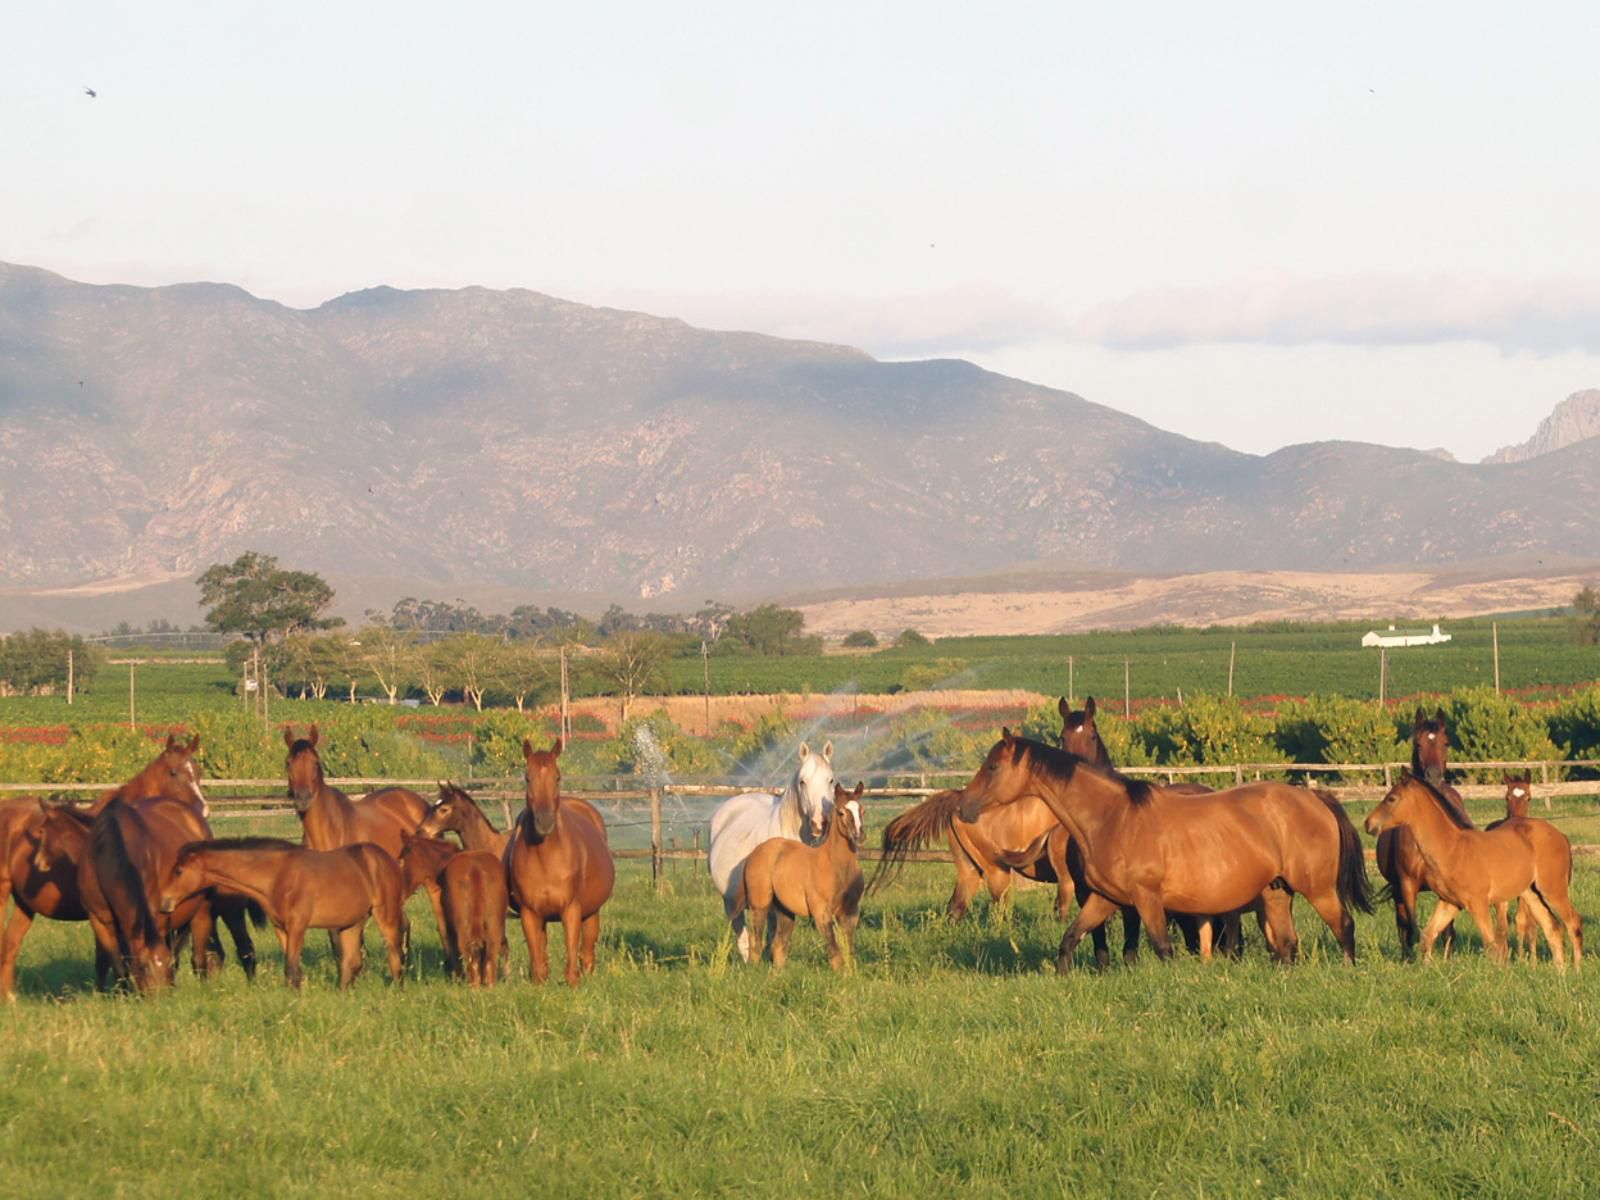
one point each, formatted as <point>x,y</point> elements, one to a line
<point>194,789</point>
<point>854,809</point>
<point>1518,793</point>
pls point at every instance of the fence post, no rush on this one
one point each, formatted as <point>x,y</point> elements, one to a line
<point>655,836</point>
<point>1238,774</point>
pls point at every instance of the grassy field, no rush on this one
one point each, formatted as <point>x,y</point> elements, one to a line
<point>953,1058</point>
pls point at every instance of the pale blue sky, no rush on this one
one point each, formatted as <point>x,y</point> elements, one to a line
<point>1241,222</point>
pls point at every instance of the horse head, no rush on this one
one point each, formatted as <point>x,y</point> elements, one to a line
<point>445,815</point>
<point>1519,790</point>
<point>813,787</point>
<point>1079,734</point>
<point>1430,740</point>
<point>847,814</point>
<point>185,879</point>
<point>542,775</point>
<point>997,781</point>
<point>58,823</point>
<point>303,766</point>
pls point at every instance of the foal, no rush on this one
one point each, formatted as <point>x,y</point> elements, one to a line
<point>301,889</point>
<point>475,904</point>
<point>422,863</point>
<point>1477,869</point>
<point>821,882</point>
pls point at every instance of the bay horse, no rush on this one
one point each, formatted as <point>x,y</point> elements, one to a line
<point>173,773</point>
<point>558,866</point>
<point>457,812</point>
<point>422,863</point>
<point>1474,869</point>
<point>741,823</point>
<point>788,880</point>
<point>331,819</point>
<point>1401,864</point>
<point>301,889</point>
<point>64,855</point>
<point>1519,792</point>
<point>1197,854</point>
<point>475,904</point>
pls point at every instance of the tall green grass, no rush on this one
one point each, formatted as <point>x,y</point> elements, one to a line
<point>953,1058</point>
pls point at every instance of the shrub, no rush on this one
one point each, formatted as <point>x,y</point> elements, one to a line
<point>1207,730</point>
<point>1486,727</point>
<point>1575,724</point>
<point>861,638</point>
<point>1336,729</point>
<point>910,637</point>
<point>935,673</point>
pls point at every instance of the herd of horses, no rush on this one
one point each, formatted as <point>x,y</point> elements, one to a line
<point>141,867</point>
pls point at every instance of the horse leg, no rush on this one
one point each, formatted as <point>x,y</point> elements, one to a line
<point>1540,913</point>
<point>1483,916</point>
<point>293,938</point>
<point>742,936</point>
<point>350,954</point>
<point>1093,914</point>
<point>757,925</point>
<point>17,926</point>
<point>1556,898</point>
<point>1443,913</point>
<point>452,952</point>
<point>825,923</point>
<point>1231,942</point>
<point>780,938</point>
<point>1277,925</point>
<point>1405,891</point>
<point>538,945</point>
<point>234,916</point>
<point>1526,937</point>
<point>1056,847</point>
<point>1191,928</point>
<point>1337,918</point>
<point>1154,915</point>
<point>591,935</point>
<point>967,880</point>
<point>202,933</point>
<point>572,927</point>
<point>1205,933</point>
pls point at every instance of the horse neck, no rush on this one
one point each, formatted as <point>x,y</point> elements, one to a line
<point>1436,835</point>
<point>789,820</point>
<point>246,873</point>
<point>1089,804</point>
<point>332,805</point>
<point>477,831</point>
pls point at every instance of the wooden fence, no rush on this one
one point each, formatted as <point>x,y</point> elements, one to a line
<point>265,798</point>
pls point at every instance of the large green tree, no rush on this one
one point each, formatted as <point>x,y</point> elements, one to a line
<point>1586,622</point>
<point>254,597</point>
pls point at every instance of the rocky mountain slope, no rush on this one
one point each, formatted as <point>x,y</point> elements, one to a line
<point>473,437</point>
<point>1573,420</point>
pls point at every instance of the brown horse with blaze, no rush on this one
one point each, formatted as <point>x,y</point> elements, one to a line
<point>331,819</point>
<point>558,865</point>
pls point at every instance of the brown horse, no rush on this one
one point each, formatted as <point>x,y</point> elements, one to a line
<point>331,819</point>
<point>1202,855</point>
<point>422,862</point>
<point>301,889</point>
<point>64,853</point>
<point>558,865</point>
<point>1477,869</point>
<point>53,890</point>
<point>1519,792</point>
<point>790,879</point>
<point>457,812</point>
<point>475,903</point>
<point>1399,861</point>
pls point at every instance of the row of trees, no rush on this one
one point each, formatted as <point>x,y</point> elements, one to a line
<point>37,662</point>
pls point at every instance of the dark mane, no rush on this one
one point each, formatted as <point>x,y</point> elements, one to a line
<point>114,867</point>
<point>1449,810</point>
<point>238,843</point>
<point>1061,765</point>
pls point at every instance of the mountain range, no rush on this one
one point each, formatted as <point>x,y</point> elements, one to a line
<point>436,442</point>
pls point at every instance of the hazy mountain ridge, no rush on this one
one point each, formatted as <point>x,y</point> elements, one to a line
<point>511,438</point>
<point>1575,419</point>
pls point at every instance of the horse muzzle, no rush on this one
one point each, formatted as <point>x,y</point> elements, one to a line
<point>544,824</point>
<point>168,904</point>
<point>969,809</point>
<point>1373,825</point>
<point>302,799</point>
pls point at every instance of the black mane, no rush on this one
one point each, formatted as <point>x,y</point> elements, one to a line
<point>1061,765</point>
<point>1449,810</point>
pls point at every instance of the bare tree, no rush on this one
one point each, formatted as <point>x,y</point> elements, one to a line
<point>390,655</point>
<point>632,662</point>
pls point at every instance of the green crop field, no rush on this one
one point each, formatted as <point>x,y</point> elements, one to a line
<point>952,1060</point>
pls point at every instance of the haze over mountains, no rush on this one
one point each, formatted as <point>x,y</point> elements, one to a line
<point>435,441</point>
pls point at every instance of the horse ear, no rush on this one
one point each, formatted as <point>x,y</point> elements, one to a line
<point>1088,707</point>
<point>827,751</point>
<point>556,749</point>
<point>527,749</point>
<point>1439,717</point>
<point>172,742</point>
<point>1006,735</point>
<point>194,744</point>
<point>861,786</point>
<point>312,735</point>
<point>1416,721</point>
<point>288,736</point>
<point>1063,708</point>
<point>805,752</point>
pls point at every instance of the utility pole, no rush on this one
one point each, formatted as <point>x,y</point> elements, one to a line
<point>1233,648</point>
<point>1072,696</point>
<point>1383,673</point>
<point>69,676</point>
<point>566,718</point>
<point>132,724</point>
<point>1494,628</point>
<point>1127,692</point>
<point>705,667</point>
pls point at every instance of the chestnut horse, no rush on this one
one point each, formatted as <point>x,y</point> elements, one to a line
<point>475,903</point>
<point>1519,791</point>
<point>331,819</point>
<point>300,889</point>
<point>1399,861</point>
<point>1208,854</point>
<point>457,812</point>
<point>790,879</point>
<point>53,890</point>
<point>558,866</point>
<point>422,862</point>
<point>1476,869</point>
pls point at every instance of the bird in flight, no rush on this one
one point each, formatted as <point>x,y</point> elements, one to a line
<point>90,92</point>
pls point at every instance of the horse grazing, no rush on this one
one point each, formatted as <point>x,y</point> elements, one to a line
<point>331,819</point>
<point>422,862</point>
<point>457,812</point>
<point>1400,863</point>
<point>558,866</point>
<point>741,823</point>
<point>475,904</point>
<point>1198,854</point>
<point>301,889</point>
<point>1477,869</point>
<point>789,879</point>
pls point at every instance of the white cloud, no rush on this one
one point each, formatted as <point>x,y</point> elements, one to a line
<point>1542,316</point>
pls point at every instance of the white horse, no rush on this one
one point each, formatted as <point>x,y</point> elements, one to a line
<point>743,822</point>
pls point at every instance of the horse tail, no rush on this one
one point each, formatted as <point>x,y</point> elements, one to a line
<point>1352,884</point>
<point>118,875</point>
<point>912,830</point>
<point>257,914</point>
<point>740,901</point>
